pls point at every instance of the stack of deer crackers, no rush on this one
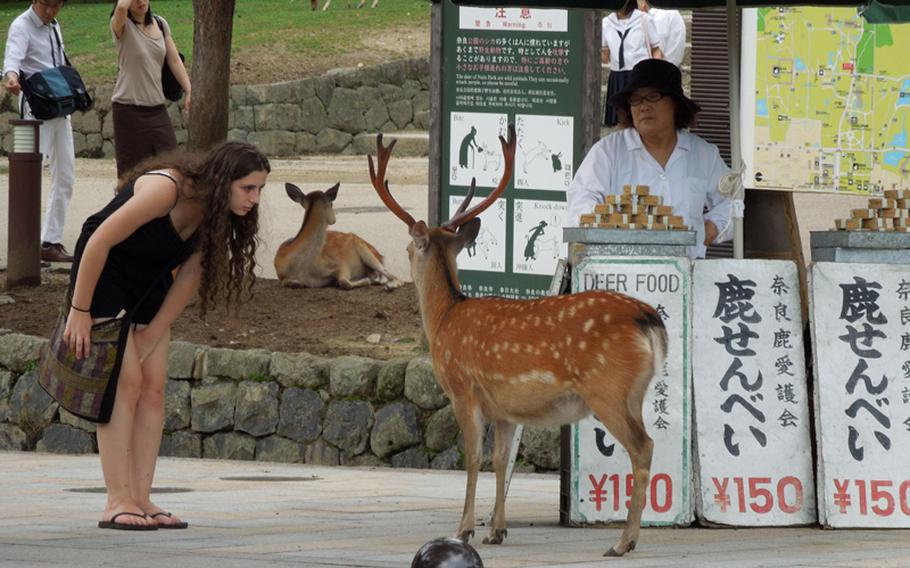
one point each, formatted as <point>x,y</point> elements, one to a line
<point>889,213</point>
<point>635,208</point>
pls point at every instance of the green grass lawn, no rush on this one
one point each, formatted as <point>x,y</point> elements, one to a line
<point>288,26</point>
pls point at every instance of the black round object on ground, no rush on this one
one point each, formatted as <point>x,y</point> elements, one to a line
<point>446,553</point>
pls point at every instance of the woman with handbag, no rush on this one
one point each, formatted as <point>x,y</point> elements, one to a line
<point>198,214</point>
<point>142,127</point>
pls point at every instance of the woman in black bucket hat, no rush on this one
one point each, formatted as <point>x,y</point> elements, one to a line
<point>653,148</point>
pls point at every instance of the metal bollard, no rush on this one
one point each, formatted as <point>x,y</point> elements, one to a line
<point>24,244</point>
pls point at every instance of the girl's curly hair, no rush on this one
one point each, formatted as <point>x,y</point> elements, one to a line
<point>226,241</point>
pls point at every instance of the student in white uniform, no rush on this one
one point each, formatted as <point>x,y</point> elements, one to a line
<point>671,31</point>
<point>627,39</point>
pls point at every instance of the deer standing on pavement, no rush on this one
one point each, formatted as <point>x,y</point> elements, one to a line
<point>317,257</point>
<point>546,361</point>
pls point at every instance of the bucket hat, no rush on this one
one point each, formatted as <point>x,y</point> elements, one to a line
<point>656,74</point>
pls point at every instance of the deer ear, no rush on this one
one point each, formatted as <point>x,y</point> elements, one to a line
<point>467,233</point>
<point>294,192</point>
<point>332,192</point>
<point>421,235</point>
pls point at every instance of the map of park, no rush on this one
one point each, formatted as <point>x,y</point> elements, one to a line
<point>832,94</point>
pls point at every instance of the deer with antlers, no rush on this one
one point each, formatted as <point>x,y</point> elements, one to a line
<point>317,257</point>
<point>546,361</point>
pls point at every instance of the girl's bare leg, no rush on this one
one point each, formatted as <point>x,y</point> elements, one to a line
<point>115,442</point>
<point>148,426</point>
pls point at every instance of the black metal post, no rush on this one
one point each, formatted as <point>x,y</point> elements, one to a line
<point>24,244</point>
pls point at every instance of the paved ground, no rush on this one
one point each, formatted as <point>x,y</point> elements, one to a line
<point>358,208</point>
<point>253,514</point>
<point>247,514</point>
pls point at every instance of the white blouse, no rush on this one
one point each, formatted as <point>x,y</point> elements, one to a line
<point>688,183</point>
<point>634,48</point>
<point>671,29</point>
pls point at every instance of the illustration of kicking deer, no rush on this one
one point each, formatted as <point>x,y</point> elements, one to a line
<point>539,150</point>
<point>317,257</point>
<point>546,361</point>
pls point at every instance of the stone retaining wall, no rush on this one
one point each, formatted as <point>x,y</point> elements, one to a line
<point>258,405</point>
<point>339,112</point>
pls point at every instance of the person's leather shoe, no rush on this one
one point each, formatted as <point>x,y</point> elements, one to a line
<point>54,252</point>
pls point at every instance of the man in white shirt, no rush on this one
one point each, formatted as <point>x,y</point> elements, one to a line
<point>34,44</point>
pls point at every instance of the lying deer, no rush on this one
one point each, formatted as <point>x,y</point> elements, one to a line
<point>546,361</point>
<point>317,257</point>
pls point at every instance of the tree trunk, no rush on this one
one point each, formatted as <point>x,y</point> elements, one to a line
<point>211,72</point>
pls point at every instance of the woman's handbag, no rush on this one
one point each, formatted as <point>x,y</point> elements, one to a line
<point>87,387</point>
<point>55,92</point>
<point>170,86</point>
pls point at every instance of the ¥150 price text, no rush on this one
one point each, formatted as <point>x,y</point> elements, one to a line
<point>759,495</point>
<point>605,492</point>
<point>878,497</point>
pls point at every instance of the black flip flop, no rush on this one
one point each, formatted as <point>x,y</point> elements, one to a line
<point>113,524</point>
<point>180,525</point>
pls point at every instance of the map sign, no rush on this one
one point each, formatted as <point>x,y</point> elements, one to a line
<point>826,101</point>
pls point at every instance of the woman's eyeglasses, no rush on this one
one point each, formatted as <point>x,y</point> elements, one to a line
<point>635,100</point>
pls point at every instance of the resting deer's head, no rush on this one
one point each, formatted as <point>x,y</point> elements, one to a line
<point>315,202</point>
<point>432,249</point>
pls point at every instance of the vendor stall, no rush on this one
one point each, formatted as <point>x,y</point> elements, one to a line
<point>736,327</point>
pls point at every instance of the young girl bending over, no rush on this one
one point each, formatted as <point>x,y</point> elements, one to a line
<point>200,214</point>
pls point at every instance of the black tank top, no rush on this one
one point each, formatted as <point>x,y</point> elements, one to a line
<point>152,249</point>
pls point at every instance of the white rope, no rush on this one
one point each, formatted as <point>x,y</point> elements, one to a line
<point>731,186</point>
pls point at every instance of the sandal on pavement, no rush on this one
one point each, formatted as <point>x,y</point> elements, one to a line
<point>180,525</point>
<point>113,524</point>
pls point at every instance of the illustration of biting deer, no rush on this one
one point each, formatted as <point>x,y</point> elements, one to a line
<point>541,362</point>
<point>317,257</point>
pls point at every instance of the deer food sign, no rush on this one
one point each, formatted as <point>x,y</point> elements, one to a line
<point>751,404</point>
<point>601,476</point>
<point>861,335</point>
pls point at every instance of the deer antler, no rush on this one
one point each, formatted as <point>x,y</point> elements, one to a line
<point>461,217</point>
<point>467,198</point>
<point>381,185</point>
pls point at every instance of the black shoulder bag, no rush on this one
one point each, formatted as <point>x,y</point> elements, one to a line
<point>169,84</point>
<point>54,92</point>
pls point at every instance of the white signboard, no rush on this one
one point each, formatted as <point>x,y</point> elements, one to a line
<point>475,150</point>
<point>861,340</point>
<point>537,244</point>
<point>488,251</point>
<point>543,158</point>
<point>601,474</point>
<point>513,19</point>
<point>751,404</point>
